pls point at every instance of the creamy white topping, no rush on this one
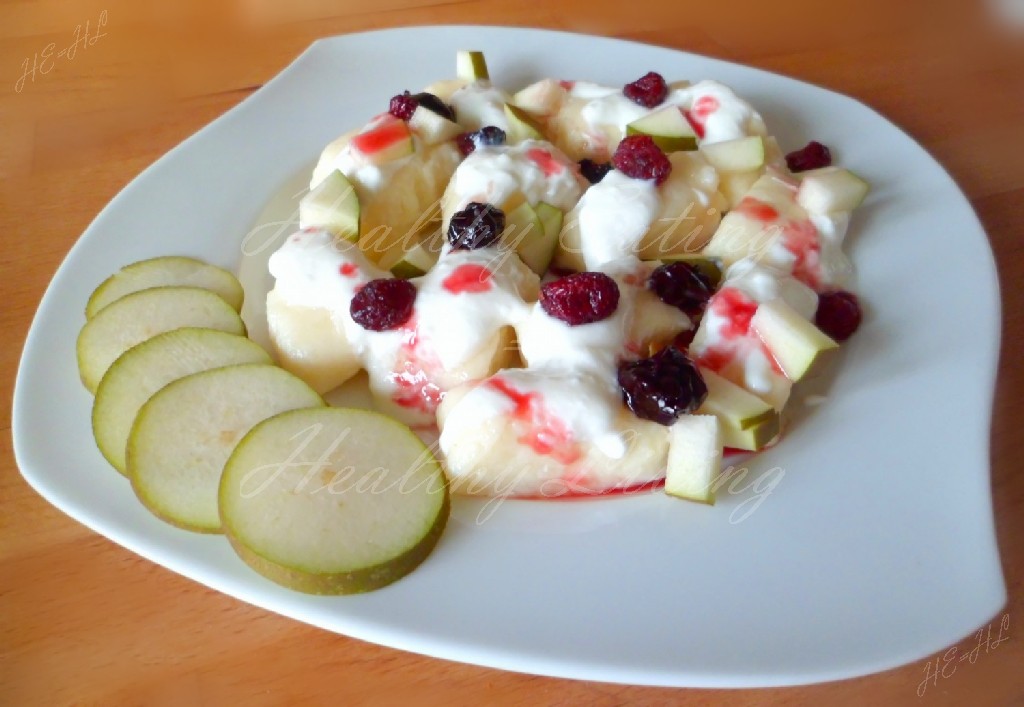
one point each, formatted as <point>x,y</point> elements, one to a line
<point>534,168</point>
<point>479,104</point>
<point>715,107</point>
<point>613,217</point>
<point>572,369</point>
<point>584,404</point>
<point>308,269</point>
<point>835,266</point>
<point>461,306</point>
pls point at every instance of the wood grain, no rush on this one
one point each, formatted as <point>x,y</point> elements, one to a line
<point>85,622</point>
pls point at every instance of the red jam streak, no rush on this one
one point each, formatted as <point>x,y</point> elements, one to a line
<point>699,112</point>
<point>416,390</point>
<point>801,239</point>
<point>546,161</point>
<point>348,269</point>
<point>757,209</point>
<point>738,309</point>
<point>380,138</point>
<point>544,433</point>
<point>567,85</point>
<point>469,278</point>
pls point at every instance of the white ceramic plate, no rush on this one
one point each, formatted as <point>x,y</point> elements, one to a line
<point>872,547</point>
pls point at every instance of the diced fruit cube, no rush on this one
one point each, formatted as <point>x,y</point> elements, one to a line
<point>432,128</point>
<point>741,155</point>
<point>387,141</point>
<point>747,421</point>
<point>694,457</point>
<point>332,205</point>
<point>795,343</point>
<point>534,236</point>
<point>669,129</point>
<point>522,125</point>
<point>414,262</point>
<point>471,66</point>
<point>543,98</point>
<point>831,189</point>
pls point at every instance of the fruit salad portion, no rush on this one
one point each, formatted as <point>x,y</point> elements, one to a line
<point>583,289</point>
<point>617,283</point>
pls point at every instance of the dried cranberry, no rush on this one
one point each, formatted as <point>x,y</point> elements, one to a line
<point>580,298</point>
<point>649,90</point>
<point>594,172</point>
<point>435,104</point>
<point>683,286</point>
<point>476,226</point>
<point>838,314</point>
<point>811,156</point>
<point>403,106</point>
<point>637,156</point>
<point>662,387</point>
<point>684,339</point>
<point>383,304</point>
<point>487,135</point>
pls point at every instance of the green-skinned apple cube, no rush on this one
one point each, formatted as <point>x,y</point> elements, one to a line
<point>830,190</point>
<point>534,244</point>
<point>414,262</point>
<point>432,128</point>
<point>332,205</point>
<point>797,345</point>
<point>543,98</point>
<point>669,129</point>
<point>522,125</point>
<point>744,154</point>
<point>471,66</point>
<point>694,458</point>
<point>747,421</point>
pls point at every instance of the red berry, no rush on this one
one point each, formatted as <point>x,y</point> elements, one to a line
<point>637,156</point>
<point>403,106</point>
<point>838,314</point>
<point>812,156</point>
<point>682,286</point>
<point>383,304</point>
<point>662,387</point>
<point>580,298</point>
<point>649,90</point>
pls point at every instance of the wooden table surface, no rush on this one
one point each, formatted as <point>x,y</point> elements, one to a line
<point>83,621</point>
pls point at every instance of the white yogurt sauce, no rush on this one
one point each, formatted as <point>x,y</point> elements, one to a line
<point>493,174</point>
<point>573,369</point>
<point>447,327</point>
<point>731,116</point>
<point>613,216</point>
<point>480,104</point>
